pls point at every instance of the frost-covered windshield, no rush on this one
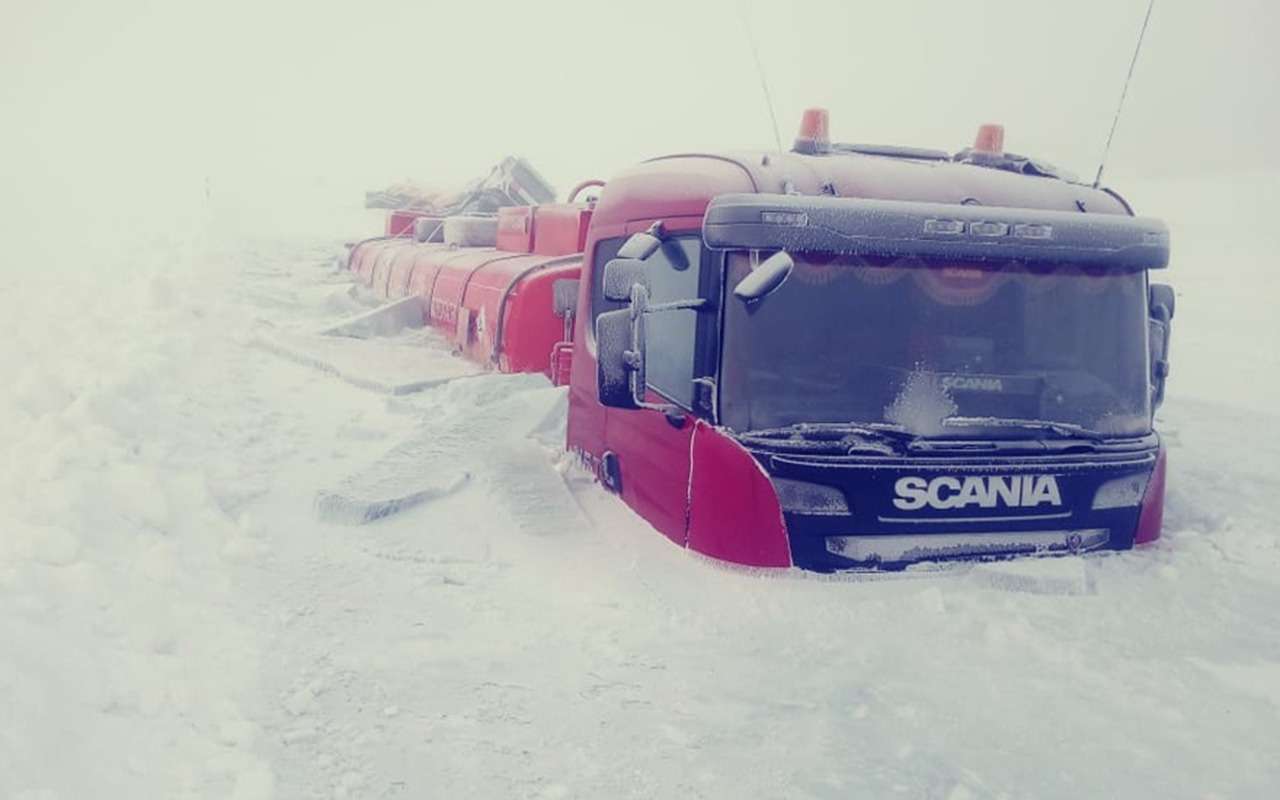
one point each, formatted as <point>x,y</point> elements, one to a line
<point>938,350</point>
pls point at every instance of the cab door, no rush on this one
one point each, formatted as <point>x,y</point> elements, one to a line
<point>651,447</point>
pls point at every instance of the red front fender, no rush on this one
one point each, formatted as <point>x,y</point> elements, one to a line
<point>733,509</point>
<point>1152,517</point>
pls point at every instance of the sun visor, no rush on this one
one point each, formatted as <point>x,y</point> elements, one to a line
<point>893,228</point>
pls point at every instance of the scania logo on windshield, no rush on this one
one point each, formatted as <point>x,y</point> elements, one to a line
<point>984,491</point>
<point>971,383</point>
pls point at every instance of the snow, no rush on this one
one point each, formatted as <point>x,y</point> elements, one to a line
<point>178,621</point>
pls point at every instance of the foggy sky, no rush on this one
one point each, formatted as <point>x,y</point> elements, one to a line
<point>287,100</point>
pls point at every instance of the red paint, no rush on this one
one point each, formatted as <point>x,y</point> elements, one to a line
<point>552,229</point>
<point>651,453</point>
<point>516,290</point>
<point>467,291</point>
<point>530,329</point>
<point>560,229</point>
<point>401,271</point>
<point>1151,519</point>
<point>446,303</point>
<point>561,363</point>
<point>733,513</point>
<point>422,275</point>
<point>363,257</point>
<point>390,251</point>
<point>653,457</point>
<point>515,229</point>
<point>428,262</point>
<point>400,221</point>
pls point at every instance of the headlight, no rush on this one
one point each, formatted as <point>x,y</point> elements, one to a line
<point>1121,492</point>
<point>802,497</point>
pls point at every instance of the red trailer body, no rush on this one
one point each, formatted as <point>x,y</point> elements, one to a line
<point>401,271</point>
<point>428,262</point>
<point>508,303</point>
<point>362,257</point>
<point>494,303</point>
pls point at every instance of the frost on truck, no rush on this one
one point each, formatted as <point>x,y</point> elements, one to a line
<point>843,357</point>
<point>880,356</point>
<point>924,346</point>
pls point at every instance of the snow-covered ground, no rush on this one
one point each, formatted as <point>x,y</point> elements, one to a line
<point>176,620</point>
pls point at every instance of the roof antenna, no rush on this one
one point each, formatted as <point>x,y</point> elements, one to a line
<point>1097,181</point>
<point>764,83</point>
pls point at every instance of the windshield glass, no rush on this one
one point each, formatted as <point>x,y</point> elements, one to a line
<point>954,351</point>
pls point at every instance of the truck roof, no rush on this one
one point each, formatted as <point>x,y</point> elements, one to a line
<point>681,185</point>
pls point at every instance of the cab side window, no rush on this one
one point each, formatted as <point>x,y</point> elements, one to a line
<point>674,274</point>
<point>672,335</point>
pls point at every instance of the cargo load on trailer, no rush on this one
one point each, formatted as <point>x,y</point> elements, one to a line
<point>512,181</point>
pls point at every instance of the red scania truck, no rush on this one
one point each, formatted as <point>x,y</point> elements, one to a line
<point>841,357</point>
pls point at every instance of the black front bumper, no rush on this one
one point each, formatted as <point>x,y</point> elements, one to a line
<point>876,533</point>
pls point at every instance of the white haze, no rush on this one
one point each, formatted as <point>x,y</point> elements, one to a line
<point>176,621</point>
<point>128,111</point>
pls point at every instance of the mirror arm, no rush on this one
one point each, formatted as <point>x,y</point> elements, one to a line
<point>679,305</point>
<point>639,304</point>
<point>665,408</point>
<point>713,400</point>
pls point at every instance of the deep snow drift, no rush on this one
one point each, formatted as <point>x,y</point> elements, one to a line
<point>178,620</point>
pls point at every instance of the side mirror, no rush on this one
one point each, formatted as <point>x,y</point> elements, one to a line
<point>564,297</point>
<point>1158,337</point>
<point>642,245</point>
<point>1161,301</point>
<point>765,279</point>
<point>1159,328</point>
<point>620,354</point>
<point>620,275</point>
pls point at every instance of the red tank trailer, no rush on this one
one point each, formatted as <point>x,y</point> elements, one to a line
<point>488,283</point>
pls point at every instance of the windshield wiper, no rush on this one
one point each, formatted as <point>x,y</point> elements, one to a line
<point>832,437</point>
<point>1063,429</point>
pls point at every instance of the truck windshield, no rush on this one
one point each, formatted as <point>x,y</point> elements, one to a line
<point>945,351</point>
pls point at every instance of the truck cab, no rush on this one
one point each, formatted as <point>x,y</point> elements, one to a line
<point>852,357</point>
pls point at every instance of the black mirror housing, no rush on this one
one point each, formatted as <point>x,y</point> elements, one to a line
<point>620,373</point>
<point>1160,302</point>
<point>767,277</point>
<point>1160,296</point>
<point>639,247</point>
<point>564,297</point>
<point>620,275</point>
<point>642,245</point>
